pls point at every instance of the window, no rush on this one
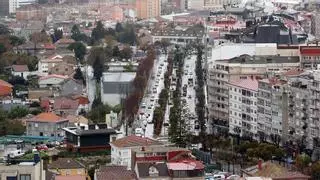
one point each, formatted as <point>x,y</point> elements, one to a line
<point>25,177</point>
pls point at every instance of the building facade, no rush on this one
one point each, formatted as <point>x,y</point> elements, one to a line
<point>46,124</point>
<point>234,69</point>
<point>310,56</point>
<point>14,4</point>
<point>243,107</point>
<point>272,104</point>
<point>147,9</point>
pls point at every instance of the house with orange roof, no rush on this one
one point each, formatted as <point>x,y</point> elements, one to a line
<point>46,124</point>
<point>5,89</point>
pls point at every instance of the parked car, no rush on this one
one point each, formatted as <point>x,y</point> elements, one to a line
<point>42,147</point>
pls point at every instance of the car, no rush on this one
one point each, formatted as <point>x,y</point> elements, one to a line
<point>150,107</point>
<point>42,147</point>
<point>219,176</point>
<point>151,100</point>
<point>187,66</point>
<point>161,64</point>
<point>158,75</point>
<point>234,177</point>
<point>190,73</point>
<point>186,73</point>
<point>138,131</point>
<point>189,96</point>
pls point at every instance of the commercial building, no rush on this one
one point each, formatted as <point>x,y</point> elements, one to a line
<point>4,10</point>
<point>14,4</point>
<point>219,4</point>
<point>180,36</point>
<point>116,86</point>
<point>147,9</point>
<point>196,4</point>
<point>89,138</point>
<point>310,56</point>
<point>243,107</point>
<point>315,25</point>
<point>30,12</point>
<point>234,69</point>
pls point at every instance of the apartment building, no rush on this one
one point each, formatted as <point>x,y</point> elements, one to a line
<point>272,104</point>
<point>234,69</point>
<point>243,107</point>
<point>304,101</point>
<point>310,56</point>
<point>147,9</point>
<point>219,4</point>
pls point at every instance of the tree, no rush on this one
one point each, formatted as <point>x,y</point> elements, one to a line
<point>79,49</point>
<point>2,49</point>
<point>98,32</point>
<point>58,34</point>
<point>302,161</point>
<point>164,45</point>
<point>98,113</point>
<point>16,41</point>
<point>98,68</point>
<point>126,53</point>
<point>4,30</point>
<point>139,83</point>
<point>18,112</point>
<point>79,76</point>
<point>115,51</point>
<point>38,37</point>
<point>75,33</point>
<point>119,27</point>
<point>315,170</point>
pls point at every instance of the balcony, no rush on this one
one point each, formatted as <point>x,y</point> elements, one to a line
<point>221,71</point>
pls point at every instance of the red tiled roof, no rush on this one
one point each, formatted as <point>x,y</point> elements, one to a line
<point>70,177</point>
<point>294,72</point>
<point>53,76</point>
<point>115,173</point>
<point>49,46</point>
<point>187,164</point>
<point>5,88</point>
<point>46,117</point>
<point>65,41</point>
<point>134,141</point>
<point>83,100</point>
<point>249,83</point>
<point>20,68</point>
<point>65,103</point>
<point>310,51</point>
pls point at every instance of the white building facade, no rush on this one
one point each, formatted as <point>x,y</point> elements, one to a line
<point>243,107</point>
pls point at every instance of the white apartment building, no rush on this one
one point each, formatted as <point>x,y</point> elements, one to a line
<point>44,65</point>
<point>243,108</point>
<point>272,109</point>
<point>14,4</point>
<point>219,4</point>
<point>196,4</point>
<point>234,69</point>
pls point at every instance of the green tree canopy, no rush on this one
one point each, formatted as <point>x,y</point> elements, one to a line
<point>79,49</point>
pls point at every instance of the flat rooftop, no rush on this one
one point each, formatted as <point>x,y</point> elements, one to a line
<point>247,59</point>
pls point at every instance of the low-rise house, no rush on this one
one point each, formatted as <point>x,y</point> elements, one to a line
<point>89,138</point>
<point>46,124</point>
<point>45,64</point>
<point>15,170</point>
<point>20,70</point>
<point>62,68</point>
<point>114,173</point>
<point>164,162</point>
<point>65,106</point>
<point>71,86</point>
<point>121,149</point>
<point>77,119</point>
<point>37,94</point>
<point>273,171</point>
<point>83,103</point>
<point>67,167</point>
<point>52,80</point>
<point>64,43</point>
